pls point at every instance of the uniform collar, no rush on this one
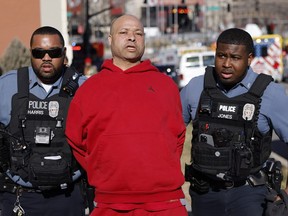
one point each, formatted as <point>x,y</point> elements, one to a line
<point>246,82</point>
<point>248,79</point>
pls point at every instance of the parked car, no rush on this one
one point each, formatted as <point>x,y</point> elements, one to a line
<point>169,70</point>
<point>193,64</point>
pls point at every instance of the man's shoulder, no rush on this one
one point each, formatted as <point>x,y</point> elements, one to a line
<point>273,88</point>
<point>196,83</point>
<point>193,89</point>
<point>8,77</point>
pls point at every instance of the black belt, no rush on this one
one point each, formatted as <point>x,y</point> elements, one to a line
<point>12,188</point>
<point>7,185</point>
<point>226,184</point>
<point>31,190</point>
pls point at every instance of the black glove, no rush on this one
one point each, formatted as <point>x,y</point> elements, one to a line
<point>197,180</point>
<point>4,149</point>
<point>279,207</point>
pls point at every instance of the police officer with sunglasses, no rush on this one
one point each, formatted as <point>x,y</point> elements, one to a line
<point>39,173</point>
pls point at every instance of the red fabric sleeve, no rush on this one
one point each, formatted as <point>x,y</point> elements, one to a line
<point>182,132</point>
<point>74,133</point>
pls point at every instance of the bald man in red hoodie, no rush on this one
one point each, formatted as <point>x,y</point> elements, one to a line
<point>126,129</point>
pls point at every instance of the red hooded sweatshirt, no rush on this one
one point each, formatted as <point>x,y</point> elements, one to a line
<point>127,131</point>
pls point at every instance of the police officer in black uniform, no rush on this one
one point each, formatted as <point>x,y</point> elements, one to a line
<point>233,111</point>
<point>40,176</point>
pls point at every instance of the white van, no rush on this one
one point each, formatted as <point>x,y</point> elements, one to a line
<point>193,64</point>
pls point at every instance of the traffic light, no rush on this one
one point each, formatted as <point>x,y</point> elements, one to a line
<point>98,49</point>
<point>76,30</point>
<point>228,8</point>
<point>256,5</point>
<point>270,28</point>
<point>197,9</point>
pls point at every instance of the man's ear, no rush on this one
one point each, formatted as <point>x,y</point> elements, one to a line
<point>109,39</point>
<point>250,58</point>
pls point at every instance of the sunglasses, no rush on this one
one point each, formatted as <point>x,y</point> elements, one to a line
<point>53,53</point>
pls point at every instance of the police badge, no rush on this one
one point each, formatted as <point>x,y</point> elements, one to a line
<point>248,111</point>
<point>53,109</point>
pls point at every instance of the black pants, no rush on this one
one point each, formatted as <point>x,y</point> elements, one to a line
<point>53,203</point>
<point>237,201</point>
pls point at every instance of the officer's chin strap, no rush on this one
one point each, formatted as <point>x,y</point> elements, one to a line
<point>18,210</point>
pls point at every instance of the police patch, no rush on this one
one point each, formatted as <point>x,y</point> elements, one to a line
<point>248,111</point>
<point>53,109</point>
<point>227,111</point>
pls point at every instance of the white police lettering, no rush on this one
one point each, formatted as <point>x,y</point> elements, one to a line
<point>38,105</point>
<point>225,116</point>
<point>226,108</point>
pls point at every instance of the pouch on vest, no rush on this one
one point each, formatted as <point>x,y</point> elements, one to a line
<point>49,169</point>
<point>212,159</point>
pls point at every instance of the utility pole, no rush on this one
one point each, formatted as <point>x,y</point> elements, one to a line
<point>87,32</point>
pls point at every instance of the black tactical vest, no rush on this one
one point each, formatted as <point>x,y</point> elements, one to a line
<point>226,142</point>
<point>40,155</point>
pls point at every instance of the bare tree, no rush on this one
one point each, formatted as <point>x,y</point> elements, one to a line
<point>16,56</point>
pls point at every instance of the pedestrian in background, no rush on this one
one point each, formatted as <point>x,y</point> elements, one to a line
<point>41,177</point>
<point>89,68</point>
<point>126,129</point>
<point>233,111</point>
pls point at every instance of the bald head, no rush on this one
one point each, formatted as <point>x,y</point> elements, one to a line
<point>125,18</point>
<point>127,41</point>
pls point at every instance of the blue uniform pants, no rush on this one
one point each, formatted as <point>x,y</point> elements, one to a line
<point>57,203</point>
<point>238,201</point>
